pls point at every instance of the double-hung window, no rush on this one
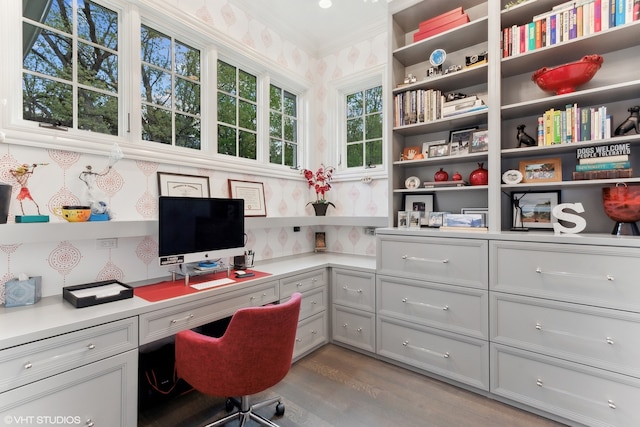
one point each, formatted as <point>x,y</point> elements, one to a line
<point>364,128</point>
<point>283,127</point>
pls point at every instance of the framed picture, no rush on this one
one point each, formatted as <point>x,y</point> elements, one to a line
<point>436,219</point>
<point>415,219</point>
<point>425,146</point>
<point>440,149</point>
<point>533,209</point>
<point>483,211</point>
<point>253,195</point>
<point>321,243</point>
<point>541,170</point>
<point>410,153</point>
<point>180,185</point>
<point>479,141</point>
<point>403,219</point>
<point>461,135</point>
<point>421,203</point>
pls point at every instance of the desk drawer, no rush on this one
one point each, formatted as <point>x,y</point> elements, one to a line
<point>460,358</point>
<point>303,282</point>
<point>354,289</point>
<point>313,302</point>
<point>169,321</point>
<point>594,336</point>
<point>312,333</point>
<point>587,395</point>
<point>461,262</point>
<point>31,362</point>
<point>599,276</point>
<point>354,327</point>
<point>454,308</point>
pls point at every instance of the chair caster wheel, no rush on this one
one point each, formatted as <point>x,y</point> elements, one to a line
<point>280,409</point>
<point>229,405</point>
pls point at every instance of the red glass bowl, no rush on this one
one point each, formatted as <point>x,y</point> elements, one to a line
<point>622,204</point>
<point>565,78</point>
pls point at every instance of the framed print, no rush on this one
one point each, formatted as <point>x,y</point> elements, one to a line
<point>180,185</point>
<point>533,209</point>
<point>479,141</point>
<point>436,219</point>
<point>414,219</point>
<point>410,153</point>
<point>403,219</point>
<point>425,146</point>
<point>321,242</point>
<point>421,203</point>
<point>483,211</point>
<point>541,170</point>
<point>461,135</point>
<point>253,195</point>
<point>440,149</point>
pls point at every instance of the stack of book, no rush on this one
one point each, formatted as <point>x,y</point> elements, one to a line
<point>418,106</point>
<point>447,21</point>
<point>462,106</point>
<point>573,124</point>
<point>604,162</point>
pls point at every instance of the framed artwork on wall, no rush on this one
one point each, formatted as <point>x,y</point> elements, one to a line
<point>253,195</point>
<point>181,185</point>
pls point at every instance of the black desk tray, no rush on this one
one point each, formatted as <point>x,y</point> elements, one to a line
<point>69,293</point>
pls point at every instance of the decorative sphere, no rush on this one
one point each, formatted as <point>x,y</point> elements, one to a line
<point>479,176</point>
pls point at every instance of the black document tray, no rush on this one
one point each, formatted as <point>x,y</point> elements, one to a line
<point>89,300</point>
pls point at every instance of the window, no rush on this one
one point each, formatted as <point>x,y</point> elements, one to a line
<point>283,127</point>
<point>237,112</point>
<point>70,64</point>
<point>364,128</point>
<point>170,90</point>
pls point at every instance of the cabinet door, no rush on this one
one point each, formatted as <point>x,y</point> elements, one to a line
<point>104,393</point>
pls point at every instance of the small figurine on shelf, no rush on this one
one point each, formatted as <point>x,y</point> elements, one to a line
<point>22,174</point>
<point>632,122</point>
<point>94,197</point>
<point>525,138</point>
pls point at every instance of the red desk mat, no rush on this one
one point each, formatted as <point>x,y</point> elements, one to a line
<point>176,288</point>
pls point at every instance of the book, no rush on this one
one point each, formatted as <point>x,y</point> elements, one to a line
<point>602,166</point>
<point>593,160</point>
<point>470,98</point>
<point>603,174</point>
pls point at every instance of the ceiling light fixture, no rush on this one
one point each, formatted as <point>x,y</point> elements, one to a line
<point>325,4</point>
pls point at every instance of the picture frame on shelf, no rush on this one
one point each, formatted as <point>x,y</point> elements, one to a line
<point>479,141</point>
<point>253,195</point>
<point>425,146</point>
<point>541,170</point>
<point>412,183</point>
<point>182,185</point>
<point>532,209</point>
<point>440,149</point>
<point>410,153</point>
<point>403,219</point>
<point>483,211</point>
<point>415,219</point>
<point>436,219</point>
<point>462,135</point>
<point>422,203</point>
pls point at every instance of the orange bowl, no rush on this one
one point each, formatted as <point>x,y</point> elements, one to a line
<point>622,204</point>
<point>565,78</point>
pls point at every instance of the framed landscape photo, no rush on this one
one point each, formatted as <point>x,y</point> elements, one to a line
<point>483,211</point>
<point>541,170</point>
<point>533,209</point>
<point>253,195</point>
<point>181,185</point>
<point>479,141</point>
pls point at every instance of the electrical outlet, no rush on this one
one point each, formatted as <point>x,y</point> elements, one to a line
<point>296,228</point>
<point>370,231</point>
<point>110,243</point>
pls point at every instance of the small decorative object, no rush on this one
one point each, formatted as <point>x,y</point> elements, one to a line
<point>441,175</point>
<point>631,122</point>
<point>512,177</point>
<point>541,170</point>
<point>453,68</point>
<point>253,195</point>
<point>524,138</point>
<point>320,182</point>
<point>5,200</point>
<point>74,213</point>
<point>22,174</point>
<point>436,59</point>
<point>622,204</point>
<point>479,176</point>
<point>321,242</point>
<point>457,176</point>
<point>565,78</point>
<point>470,61</point>
<point>563,217</point>
<point>479,141</point>
<point>412,182</point>
<point>23,290</point>
<point>532,209</point>
<point>95,198</point>
<point>410,153</point>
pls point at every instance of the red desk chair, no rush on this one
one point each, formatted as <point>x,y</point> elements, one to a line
<point>253,354</point>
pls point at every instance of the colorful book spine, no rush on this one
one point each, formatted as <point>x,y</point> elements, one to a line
<point>597,18</point>
<point>602,166</point>
<point>553,31</point>
<point>557,127</point>
<point>620,12</point>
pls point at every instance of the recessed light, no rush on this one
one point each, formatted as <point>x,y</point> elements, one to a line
<point>325,4</point>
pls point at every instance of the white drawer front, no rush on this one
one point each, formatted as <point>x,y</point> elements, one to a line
<point>31,362</point>
<point>454,308</point>
<point>461,262</point>
<point>303,282</point>
<point>313,302</point>
<point>163,323</point>
<point>598,337</point>
<point>454,356</point>
<point>600,276</point>
<point>312,333</point>
<point>587,395</point>
<point>353,327</point>
<point>354,289</point>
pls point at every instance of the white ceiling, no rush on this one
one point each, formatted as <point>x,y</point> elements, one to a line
<point>319,31</point>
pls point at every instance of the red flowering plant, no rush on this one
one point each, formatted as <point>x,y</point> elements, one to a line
<point>320,182</point>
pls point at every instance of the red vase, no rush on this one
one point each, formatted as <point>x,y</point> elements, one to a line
<point>457,176</point>
<point>441,175</point>
<point>479,176</point>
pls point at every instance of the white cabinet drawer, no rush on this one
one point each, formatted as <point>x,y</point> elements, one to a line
<point>31,362</point>
<point>461,262</point>
<point>312,333</point>
<point>454,308</point>
<point>460,358</point>
<point>303,282</point>
<point>594,336</point>
<point>599,276</point>
<point>354,289</point>
<point>587,395</point>
<point>313,302</point>
<point>354,327</point>
<point>163,323</point>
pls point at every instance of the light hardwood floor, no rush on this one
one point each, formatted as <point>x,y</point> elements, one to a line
<point>337,387</point>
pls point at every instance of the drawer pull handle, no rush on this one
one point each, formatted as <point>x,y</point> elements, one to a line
<point>422,304</point>
<point>314,332</point>
<point>28,365</point>
<point>348,289</point>
<point>540,383</point>
<point>426,350</point>
<point>611,403</point>
<point>298,339</point>
<point>313,302</point>
<point>182,319</point>
<point>345,325</point>
<point>359,330</point>
<point>314,280</point>
<point>413,258</point>
<point>91,346</point>
<point>608,277</point>
<point>608,340</point>
<point>299,284</point>
<point>89,423</point>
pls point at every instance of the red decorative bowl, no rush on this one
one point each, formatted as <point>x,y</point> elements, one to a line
<point>565,78</point>
<point>622,204</point>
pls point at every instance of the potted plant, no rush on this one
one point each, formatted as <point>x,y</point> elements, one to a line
<point>320,182</point>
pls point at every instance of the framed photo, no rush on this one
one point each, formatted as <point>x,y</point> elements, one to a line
<point>180,185</point>
<point>541,170</point>
<point>415,219</point>
<point>438,149</point>
<point>409,153</point>
<point>403,219</point>
<point>421,203</point>
<point>425,146</point>
<point>483,211</point>
<point>533,209</point>
<point>461,135</point>
<point>321,242</point>
<point>436,219</point>
<point>253,195</point>
<point>479,141</point>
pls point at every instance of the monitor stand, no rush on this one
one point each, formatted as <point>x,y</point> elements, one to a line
<point>199,269</point>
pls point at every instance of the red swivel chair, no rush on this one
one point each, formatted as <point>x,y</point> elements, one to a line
<point>253,354</point>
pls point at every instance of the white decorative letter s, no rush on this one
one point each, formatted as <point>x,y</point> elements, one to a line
<point>558,212</point>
